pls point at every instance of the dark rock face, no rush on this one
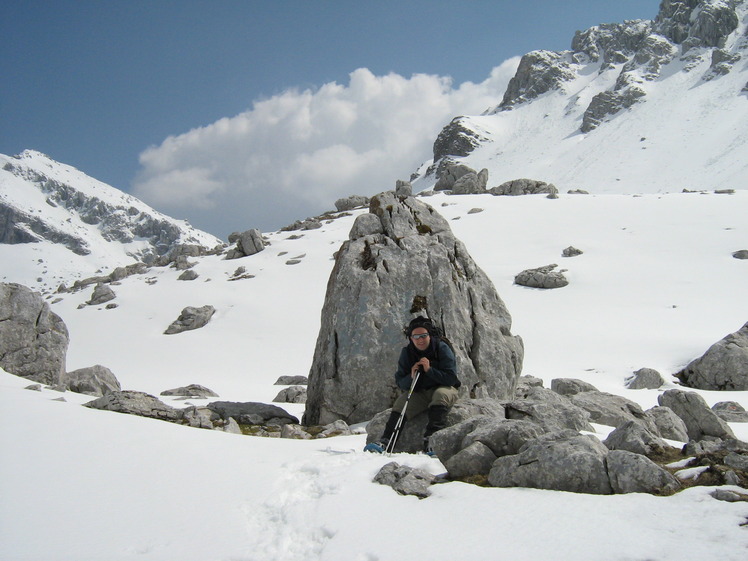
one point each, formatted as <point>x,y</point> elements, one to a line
<point>415,267</point>
<point>538,72</point>
<point>33,339</point>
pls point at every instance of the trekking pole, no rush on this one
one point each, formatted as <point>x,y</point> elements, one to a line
<point>396,433</point>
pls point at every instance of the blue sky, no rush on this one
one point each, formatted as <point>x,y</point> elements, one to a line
<point>241,114</point>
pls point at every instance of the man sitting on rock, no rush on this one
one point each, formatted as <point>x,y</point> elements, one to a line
<point>436,389</point>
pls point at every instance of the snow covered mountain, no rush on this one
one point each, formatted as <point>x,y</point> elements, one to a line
<point>634,107</point>
<point>88,223</point>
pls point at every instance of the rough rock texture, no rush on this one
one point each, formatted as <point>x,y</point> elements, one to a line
<point>517,187</point>
<point>455,140</point>
<point>612,410</point>
<point>730,411</point>
<point>563,461</point>
<point>192,390</point>
<point>251,413</point>
<point>635,438</point>
<point>538,73</point>
<point>136,403</point>
<point>669,425</point>
<point>542,277</point>
<point>723,367</point>
<point>451,175</point>
<point>405,480</point>
<point>700,421</point>
<point>549,410</point>
<point>380,282</point>
<point>471,183</point>
<point>33,339</point>
<point>93,380</point>
<point>645,378</point>
<point>248,243</point>
<point>634,473</point>
<point>191,318</point>
<point>349,203</point>
<point>571,386</point>
<point>101,294</point>
<point>294,394</point>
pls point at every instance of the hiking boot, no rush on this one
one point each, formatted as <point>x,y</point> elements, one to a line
<point>376,447</point>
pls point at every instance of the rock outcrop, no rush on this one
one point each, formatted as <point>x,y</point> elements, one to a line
<point>191,318</point>
<point>724,366</point>
<point>405,262</point>
<point>33,339</point>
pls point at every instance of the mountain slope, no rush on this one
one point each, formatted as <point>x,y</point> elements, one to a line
<point>90,224</point>
<point>639,107</point>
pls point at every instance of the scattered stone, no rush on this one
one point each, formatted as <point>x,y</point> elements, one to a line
<point>730,411</point>
<point>571,251</point>
<point>741,254</point>
<point>645,378</point>
<point>571,386</point>
<point>350,203</point>
<point>634,437</point>
<point>405,480</point>
<point>294,394</point>
<point>102,293</point>
<point>700,421</point>
<point>542,277</point>
<point>34,387</point>
<point>723,367</point>
<point>517,187</point>
<point>188,275</point>
<point>136,403</point>
<point>94,380</point>
<point>191,318</point>
<point>192,390</point>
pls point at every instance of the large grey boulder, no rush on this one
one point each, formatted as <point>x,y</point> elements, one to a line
<point>645,378</point>
<point>102,293</point>
<point>252,413</point>
<point>635,438</point>
<point>517,187</point>
<point>471,183</point>
<point>33,339</point>
<point>723,367</point>
<point>669,425</point>
<point>191,318</point>
<point>349,203</point>
<point>699,419</point>
<point>563,462</point>
<point>248,243</point>
<point>549,410</point>
<point>93,380</point>
<point>416,267</point>
<point>634,473</point>
<point>191,390</point>
<point>452,174</point>
<point>612,410</point>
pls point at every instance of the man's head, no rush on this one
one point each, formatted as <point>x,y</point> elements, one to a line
<point>419,332</point>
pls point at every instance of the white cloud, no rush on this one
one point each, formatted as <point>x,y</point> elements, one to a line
<point>294,154</point>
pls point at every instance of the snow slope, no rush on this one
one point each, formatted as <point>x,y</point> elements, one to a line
<point>656,285</point>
